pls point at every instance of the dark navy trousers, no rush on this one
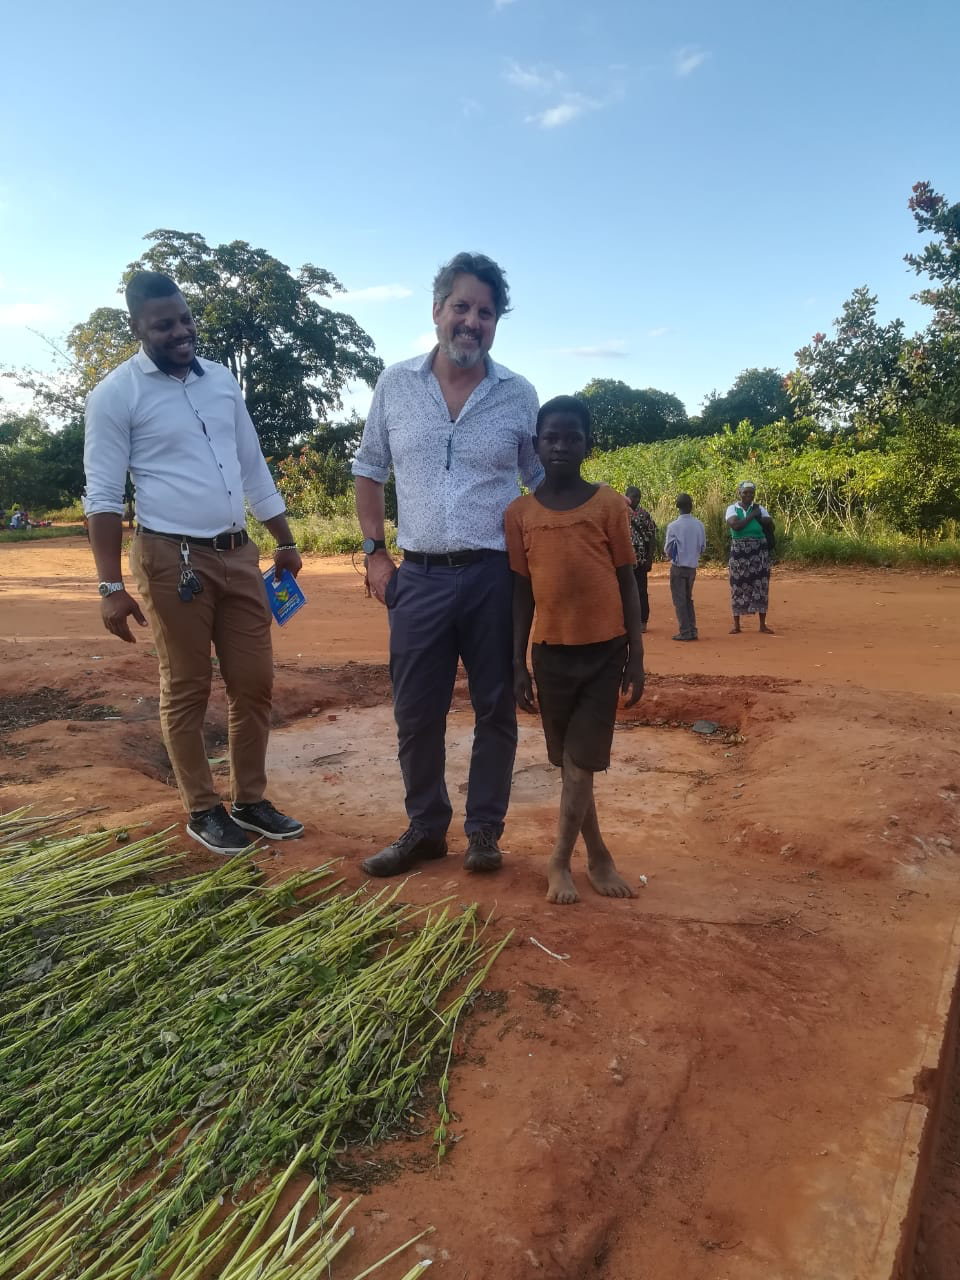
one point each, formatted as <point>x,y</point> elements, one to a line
<point>437,616</point>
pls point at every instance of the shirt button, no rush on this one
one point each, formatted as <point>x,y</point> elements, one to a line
<point>220,465</point>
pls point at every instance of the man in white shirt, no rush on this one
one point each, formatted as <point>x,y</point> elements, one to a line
<point>179,425</point>
<point>457,430</point>
<point>684,544</point>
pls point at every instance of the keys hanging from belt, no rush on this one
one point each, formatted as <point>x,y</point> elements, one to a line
<point>189,585</point>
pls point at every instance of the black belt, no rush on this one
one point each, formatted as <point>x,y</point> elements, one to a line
<point>452,559</point>
<point>222,542</point>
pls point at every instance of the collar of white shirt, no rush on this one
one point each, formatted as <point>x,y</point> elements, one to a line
<point>150,366</point>
<point>494,370</point>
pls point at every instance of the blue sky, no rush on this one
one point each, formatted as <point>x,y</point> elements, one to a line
<point>676,191</point>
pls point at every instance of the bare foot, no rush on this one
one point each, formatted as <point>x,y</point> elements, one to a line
<point>734,631</point>
<point>767,631</point>
<point>605,878</point>
<point>560,886</point>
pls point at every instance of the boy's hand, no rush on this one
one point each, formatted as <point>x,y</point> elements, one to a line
<point>633,680</point>
<point>523,690</point>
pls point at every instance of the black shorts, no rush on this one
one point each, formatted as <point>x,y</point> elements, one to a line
<point>578,687</point>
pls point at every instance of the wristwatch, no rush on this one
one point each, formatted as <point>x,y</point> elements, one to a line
<point>109,588</point>
<point>370,545</point>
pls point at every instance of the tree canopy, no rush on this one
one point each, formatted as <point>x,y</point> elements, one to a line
<point>869,374</point>
<point>625,415</point>
<point>292,356</point>
<point>757,395</point>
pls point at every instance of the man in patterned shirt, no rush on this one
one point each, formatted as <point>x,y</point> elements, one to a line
<point>643,535</point>
<point>457,429</point>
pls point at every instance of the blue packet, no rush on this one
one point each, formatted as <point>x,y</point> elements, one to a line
<point>285,596</point>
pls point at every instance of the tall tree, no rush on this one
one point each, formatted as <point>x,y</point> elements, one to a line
<point>933,357</point>
<point>856,377</point>
<point>757,395</point>
<point>292,356</point>
<point>626,415</point>
<point>39,468</point>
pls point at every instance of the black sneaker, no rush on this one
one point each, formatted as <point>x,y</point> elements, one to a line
<point>217,831</point>
<point>267,821</point>
<point>404,854</point>
<point>482,851</point>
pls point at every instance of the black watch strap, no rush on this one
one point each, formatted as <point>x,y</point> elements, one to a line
<point>370,545</point>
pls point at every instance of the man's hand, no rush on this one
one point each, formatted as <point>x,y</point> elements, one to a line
<point>523,689</point>
<point>380,569</point>
<point>633,679</point>
<point>115,609</point>
<point>286,559</point>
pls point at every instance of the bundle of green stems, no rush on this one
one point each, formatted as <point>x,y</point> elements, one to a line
<point>165,1047</point>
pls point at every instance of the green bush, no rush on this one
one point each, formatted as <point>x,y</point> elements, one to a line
<point>332,535</point>
<point>72,514</point>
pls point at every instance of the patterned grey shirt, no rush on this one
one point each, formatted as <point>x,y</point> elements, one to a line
<point>454,479</point>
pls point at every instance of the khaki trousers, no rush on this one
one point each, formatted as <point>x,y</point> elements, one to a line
<point>232,614</point>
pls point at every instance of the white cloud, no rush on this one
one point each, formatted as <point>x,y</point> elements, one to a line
<point>687,59</point>
<point>25,313</point>
<point>501,4</point>
<point>575,104</point>
<point>471,107</point>
<point>532,79</point>
<point>615,349</point>
<point>425,342</point>
<point>374,293</point>
<point>657,333</point>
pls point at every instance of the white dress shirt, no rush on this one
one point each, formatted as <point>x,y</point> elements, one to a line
<point>454,479</point>
<point>190,447</point>
<point>686,540</point>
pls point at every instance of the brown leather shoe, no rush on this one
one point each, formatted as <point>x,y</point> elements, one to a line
<point>482,852</point>
<point>404,854</point>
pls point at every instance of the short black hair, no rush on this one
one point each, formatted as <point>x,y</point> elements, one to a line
<point>630,490</point>
<point>684,503</point>
<point>567,404</point>
<point>473,264</point>
<point>144,286</point>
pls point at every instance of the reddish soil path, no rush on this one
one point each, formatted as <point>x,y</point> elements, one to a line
<point>726,1077</point>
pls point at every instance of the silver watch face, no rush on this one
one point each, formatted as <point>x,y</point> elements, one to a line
<point>108,588</point>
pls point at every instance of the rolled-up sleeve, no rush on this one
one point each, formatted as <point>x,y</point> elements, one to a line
<point>106,449</point>
<point>373,459</point>
<point>259,486</point>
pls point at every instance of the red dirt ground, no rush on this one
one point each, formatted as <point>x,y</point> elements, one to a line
<point>724,1078</point>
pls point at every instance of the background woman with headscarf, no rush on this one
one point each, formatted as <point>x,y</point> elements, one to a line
<point>749,557</point>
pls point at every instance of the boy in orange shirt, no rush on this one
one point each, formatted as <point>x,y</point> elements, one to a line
<point>572,560</point>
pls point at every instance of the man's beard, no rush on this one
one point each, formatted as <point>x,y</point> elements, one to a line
<point>462,359</point>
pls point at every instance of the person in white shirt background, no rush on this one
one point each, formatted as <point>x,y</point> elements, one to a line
<point>179,425</point>
<point>684,544</point>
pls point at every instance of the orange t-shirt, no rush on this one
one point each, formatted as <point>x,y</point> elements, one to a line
<point>571,559</point>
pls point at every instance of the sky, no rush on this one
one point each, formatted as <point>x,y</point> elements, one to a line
<point>677,191</point>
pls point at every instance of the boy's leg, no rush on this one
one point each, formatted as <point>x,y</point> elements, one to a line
<point>640,573</point>
<point>601,869</point>
<point>676,595</point>
<point>576,797</point>
<point>692,613</point>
